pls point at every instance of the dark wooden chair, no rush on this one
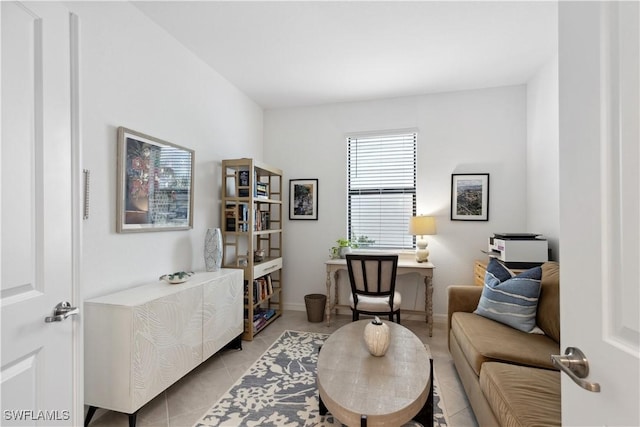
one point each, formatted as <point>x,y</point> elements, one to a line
<point>373,285</point>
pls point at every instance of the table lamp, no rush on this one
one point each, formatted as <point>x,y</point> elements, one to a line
<point>421,226</point>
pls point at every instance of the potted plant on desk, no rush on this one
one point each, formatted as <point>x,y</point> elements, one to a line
<point>343,247</point>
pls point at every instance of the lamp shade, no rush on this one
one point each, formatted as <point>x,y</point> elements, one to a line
<point>422,225</point>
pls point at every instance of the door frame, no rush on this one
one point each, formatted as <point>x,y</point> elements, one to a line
<point>78,187</point>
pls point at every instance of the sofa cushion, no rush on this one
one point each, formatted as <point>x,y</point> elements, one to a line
<point>548,317</point>
<point>522,396</point>
<point>484,340</point>
<point>513,301</point>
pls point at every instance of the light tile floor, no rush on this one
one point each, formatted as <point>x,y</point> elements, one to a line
<point>187,400</point>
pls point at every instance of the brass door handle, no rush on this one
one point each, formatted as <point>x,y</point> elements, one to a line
<point>574,363</point>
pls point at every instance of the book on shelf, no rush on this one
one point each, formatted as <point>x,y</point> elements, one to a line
<point>262,190</point>
<point>244,217</point>
<point>261,220</point>
<point>265,313</point>
<point>262,289</point>
<point>231,216</point>
<point>236,215</point>
<point>262,316</point>
<point>269,284</point>
<point>258,324</point>
<point>243,178</point>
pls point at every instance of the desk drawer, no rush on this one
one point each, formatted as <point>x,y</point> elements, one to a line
<point>479,270</point>
<point>267,267</point>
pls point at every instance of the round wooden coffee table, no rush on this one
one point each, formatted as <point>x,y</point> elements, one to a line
<point>388,390</point>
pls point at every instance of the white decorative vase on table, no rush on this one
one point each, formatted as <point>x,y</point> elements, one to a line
<point>213,249</point>
<point>343,251</point>
<point>377,337</point>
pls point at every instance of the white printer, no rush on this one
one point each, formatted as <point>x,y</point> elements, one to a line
<point>519,250</point>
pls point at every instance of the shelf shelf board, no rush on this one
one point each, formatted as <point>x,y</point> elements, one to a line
<point>270,231</point>
<point>276,291</point>
<point>249,336</point>
<point>247,199</point>
<point>245,233</point>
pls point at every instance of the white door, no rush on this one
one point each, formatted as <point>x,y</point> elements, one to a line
<point>599,77</point>
<point>37,374</point>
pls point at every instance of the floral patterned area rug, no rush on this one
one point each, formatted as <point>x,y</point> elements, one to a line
<point>279,389</point>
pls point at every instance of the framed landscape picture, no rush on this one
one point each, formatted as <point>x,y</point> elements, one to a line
<point>303,199</point>
<point>470,197</point>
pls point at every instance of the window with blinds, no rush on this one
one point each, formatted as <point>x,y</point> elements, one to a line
<point>381,189</point>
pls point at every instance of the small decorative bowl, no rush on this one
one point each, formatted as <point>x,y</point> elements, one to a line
<point>177,277</point>
<point>258,255</point>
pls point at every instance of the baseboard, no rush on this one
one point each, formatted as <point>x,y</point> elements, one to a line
<point>294,307</point>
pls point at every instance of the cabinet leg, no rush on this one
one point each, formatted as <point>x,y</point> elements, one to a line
<point>90,413</point>
<point>236,343</point>
<point>132,419</point>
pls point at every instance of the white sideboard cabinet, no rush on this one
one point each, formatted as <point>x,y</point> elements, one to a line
<point>141,340</point>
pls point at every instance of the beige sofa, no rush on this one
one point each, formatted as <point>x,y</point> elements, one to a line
<point>507,374</point>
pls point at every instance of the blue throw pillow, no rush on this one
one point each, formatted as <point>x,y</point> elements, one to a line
<point>510,300</point>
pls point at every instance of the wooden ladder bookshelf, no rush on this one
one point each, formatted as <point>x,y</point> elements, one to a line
<point>251,227</point>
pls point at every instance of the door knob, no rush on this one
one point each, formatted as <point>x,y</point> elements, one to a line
<point>61,312</point>
<point>574,363</point>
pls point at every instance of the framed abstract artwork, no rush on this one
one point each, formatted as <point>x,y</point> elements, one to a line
<point>303,199</point>
<point>155,184</point>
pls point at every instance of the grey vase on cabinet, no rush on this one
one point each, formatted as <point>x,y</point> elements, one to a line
<point>213,249</point>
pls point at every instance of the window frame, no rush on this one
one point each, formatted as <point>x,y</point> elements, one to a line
<point>405,240</point>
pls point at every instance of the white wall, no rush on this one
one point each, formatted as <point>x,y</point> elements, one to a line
<point>134,74</point>
<point>482,131</point>
<point>543,186</point>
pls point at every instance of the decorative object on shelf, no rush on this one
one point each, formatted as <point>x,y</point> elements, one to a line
<point>470,197</point>
<point>343,248</point>
<point>177,277</point>
<point>377,337</point>
<point>258,255</point>
<point>155,187</point>
<point>421,226</point>
<point>213,249</point>
<point>303,199</point>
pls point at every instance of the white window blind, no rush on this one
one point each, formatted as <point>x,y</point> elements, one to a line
<point>382,189</point>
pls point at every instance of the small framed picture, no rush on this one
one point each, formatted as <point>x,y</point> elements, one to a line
<point>303,199</point>
<point>470,197</point>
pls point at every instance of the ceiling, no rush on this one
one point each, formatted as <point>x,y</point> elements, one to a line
<point>298,53</point>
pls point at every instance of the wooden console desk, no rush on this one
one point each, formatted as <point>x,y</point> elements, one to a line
<point>406,265</point>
